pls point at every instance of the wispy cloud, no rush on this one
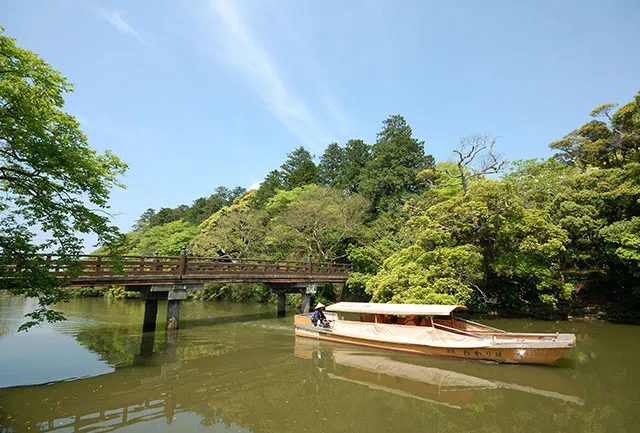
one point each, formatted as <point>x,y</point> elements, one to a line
<point>239,47</point>
<point>115,18</point>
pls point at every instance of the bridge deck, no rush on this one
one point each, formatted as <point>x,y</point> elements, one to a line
<point>90,270</point>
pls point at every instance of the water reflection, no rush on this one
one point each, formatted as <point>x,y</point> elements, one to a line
<point>155,386</point>
<point>447,384</point>
<point>240,368</point>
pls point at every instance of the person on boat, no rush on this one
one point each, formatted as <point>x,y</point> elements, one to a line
<point>318,318</point>
<point>411,321</point>
<point>384,318</point>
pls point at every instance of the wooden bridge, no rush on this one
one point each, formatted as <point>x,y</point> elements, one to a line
<point>144,270</point>
<point>172,277</point>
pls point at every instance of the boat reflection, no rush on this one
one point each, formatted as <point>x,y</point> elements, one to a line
<point>436,381</point>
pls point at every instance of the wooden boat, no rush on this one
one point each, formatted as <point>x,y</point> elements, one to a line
<point>431,330</point>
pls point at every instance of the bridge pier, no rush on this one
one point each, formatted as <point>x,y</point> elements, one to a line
<point>306,289</point>
<point>305,307</point>
<point>174,293</point>
<point>150,314</point>
<point>282,297</point>
<point>173,314</point>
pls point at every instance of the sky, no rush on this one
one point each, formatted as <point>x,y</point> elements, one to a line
<point>197,94</point>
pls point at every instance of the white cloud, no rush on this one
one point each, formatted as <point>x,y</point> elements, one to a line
<point>114,17</point>
<point>255,185</point>
<point>243,51</point>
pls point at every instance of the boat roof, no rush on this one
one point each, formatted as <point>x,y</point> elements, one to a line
<point>395,309</point>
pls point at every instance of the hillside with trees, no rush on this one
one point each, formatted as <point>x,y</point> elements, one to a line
<point>545,238</point>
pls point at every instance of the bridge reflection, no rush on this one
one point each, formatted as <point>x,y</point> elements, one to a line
<point>153,387</point>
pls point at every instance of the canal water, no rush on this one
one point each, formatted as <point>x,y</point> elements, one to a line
<point>238,368</point>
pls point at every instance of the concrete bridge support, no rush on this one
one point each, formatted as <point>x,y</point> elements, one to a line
<point>282,297</point>
<point>173,314</point>
<point>305,307</point>
<point>173,293</point>
<point>306,289</point>
<point>150,314</point>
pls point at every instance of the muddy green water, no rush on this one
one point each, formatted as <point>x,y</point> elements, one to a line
<point>236,368</point>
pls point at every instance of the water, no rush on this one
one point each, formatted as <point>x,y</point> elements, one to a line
<point>237,368</point>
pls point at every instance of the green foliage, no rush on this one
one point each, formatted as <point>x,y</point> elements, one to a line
<point>512,250</point>
<point>236,293</point>
<point>330,169</point>
<point>86,292</point>
<point>357,155</point>
<point>342,168</point>
<point>370,256</point>
<point>51,180</point>
<point>282,199</point>
<point>623,239</point>
<point>268,188</point>
<point>612,141</point>
<point>315,221</point>
<point>443,275</point>
<point>166,239</point>
<point>390,176</point>
<point>355,287</point>
<point>237,230</point>
<point>119,292</point>
<point>299,169</point>
<point>199,210</point>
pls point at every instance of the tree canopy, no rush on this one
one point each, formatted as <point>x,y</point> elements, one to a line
<point>390,176</point>
<point>55,187</point>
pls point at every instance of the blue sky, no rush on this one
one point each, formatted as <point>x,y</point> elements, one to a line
<point>197,94</point>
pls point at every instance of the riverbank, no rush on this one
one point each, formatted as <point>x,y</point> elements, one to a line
<point>246,295</point>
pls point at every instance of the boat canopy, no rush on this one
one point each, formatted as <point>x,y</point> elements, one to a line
<point>395,309</point>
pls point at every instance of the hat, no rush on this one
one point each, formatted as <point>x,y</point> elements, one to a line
<point>320,305</point>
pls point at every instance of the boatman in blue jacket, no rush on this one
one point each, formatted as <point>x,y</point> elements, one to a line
<point>318,318</point>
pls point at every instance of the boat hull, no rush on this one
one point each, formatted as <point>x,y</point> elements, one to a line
<point>501,353</point>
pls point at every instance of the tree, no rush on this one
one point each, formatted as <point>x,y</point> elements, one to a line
<point>145,220</point>
<point>54,186</point>
<point>237,230</point>
<point>390,176</point>
<point>330,169</point>
<point>268,188</point>
<point>357,155</point>
<point>443,275</point>
<point>476,157</point>
<point>166,215</point>
<point>623,239</point>
<point>166,239</point>
<point>299,169</point>
<point>608,141</point>
<point>316,220</point>
<point>341,168</point>
<point>202,208</point>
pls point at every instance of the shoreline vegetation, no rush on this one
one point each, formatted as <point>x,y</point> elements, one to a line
<point>293,300</point>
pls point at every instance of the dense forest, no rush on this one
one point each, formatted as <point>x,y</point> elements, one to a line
<point>547,238</point>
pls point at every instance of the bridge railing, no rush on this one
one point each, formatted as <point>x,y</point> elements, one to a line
<point>97,266</point>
